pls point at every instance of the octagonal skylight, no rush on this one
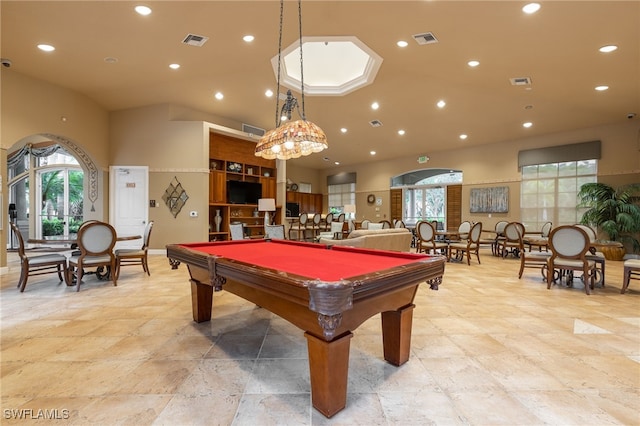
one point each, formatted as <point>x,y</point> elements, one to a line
<point>334,65</point>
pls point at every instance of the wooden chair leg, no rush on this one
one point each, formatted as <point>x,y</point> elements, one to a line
<point>24,276</point>
<point>625,279</point>
<point>79,272</point>
<point>60,272</point>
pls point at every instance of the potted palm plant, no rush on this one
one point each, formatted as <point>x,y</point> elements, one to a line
<point>614,211</point>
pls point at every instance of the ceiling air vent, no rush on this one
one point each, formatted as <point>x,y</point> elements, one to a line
<point>195,40</point>
<point>520,81</point>
<point>426,38</point>
<point>252,130</point>
<point>375,123</point>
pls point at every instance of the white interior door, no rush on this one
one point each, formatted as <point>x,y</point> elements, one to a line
<point>128,208</point>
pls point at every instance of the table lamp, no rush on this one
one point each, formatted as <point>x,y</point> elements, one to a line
<point>267,205</point>
<point>350,213</point>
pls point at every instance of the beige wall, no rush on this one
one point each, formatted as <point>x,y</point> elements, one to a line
<point>180,150</point>
<point>497,165</point>
<point>31,107</point>
<point>173,142</point>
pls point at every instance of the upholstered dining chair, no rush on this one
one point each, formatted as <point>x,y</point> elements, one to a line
<point>386,224</point>
<point>237,231</point>
<point>463,233</point>
<point>470,246</point>
<point>334,233</point>
<point>496,238</point>
<point>95,242</point>
<point>569,245</point>
<point>399,224</point>
<point>511,243</point>
<point>631,271</point>
<point>427,239</point>
<point>326,222</point>
<point>532,259</point>
<point>274,232</point>
<point>314,226</point>
<point>592,254</point>
<point>299,228</point>
<point>126,257</point>
<point>365,224</point>
<point>39,264</point>
<point>541,242</point>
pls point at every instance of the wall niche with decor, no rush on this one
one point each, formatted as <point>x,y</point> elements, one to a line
<point>233,159</point>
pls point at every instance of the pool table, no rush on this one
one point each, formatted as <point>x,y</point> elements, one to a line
<point>327,291</point>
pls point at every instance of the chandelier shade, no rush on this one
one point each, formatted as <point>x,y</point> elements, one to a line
<point>292,139</point>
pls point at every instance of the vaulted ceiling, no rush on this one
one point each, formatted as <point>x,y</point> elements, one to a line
<point>555,50</point>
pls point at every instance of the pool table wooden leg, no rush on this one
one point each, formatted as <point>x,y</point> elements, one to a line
<point>201,301</point>
<point>328,371</point>
<point>396,334</point>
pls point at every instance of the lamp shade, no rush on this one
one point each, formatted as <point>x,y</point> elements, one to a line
<point>292,140</point>
<point>267,204</point>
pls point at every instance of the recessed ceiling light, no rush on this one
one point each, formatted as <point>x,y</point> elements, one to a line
<point>337,163</point>
<point>401,132</point>
<point>174,66</point>
<point>372,152</point>
<point>463,136</point>
<point>46,47</point>
<point>473,63</point>
<point>441,104</point>
<point>602,88</point>
<point>527,124</point>
<point>219,96</point>
<point>343,130</point>
<point>609,48</point>
<point>143,10</point>
<point>268,93</point>
<point>248,38</point>
<point>375,105</point>
<point>531,8</point>
<point>402,43</point>
<point>110,60</point>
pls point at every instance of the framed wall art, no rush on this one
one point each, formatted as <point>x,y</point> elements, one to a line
<point>489,200</point>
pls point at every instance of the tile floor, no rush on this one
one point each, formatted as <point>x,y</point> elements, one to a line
<point>487,349</point>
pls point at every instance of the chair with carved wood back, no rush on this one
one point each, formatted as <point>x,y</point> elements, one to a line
<point>95,242</point>
<point>37,265</point>
<point>127,257</point>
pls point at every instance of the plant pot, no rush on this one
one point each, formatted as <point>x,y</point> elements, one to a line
<point>613,252</point>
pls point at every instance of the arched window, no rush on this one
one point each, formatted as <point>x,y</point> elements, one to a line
<point>45,181</point>
<point>424,193</point>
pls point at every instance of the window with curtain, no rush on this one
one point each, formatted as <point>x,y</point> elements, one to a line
<point>548,192</point>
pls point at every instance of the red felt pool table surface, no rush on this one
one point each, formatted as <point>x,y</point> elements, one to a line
<point>328,292</point>
<point>308,259</point>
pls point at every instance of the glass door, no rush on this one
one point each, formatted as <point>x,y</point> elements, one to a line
<point>425,203</point>
<point>59,197</point>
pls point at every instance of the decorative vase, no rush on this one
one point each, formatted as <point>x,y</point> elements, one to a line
<point>218,220</point>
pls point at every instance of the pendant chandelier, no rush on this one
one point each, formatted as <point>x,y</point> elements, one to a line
<point>292,139</point>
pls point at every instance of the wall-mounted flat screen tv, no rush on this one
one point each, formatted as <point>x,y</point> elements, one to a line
<point>241,192</point>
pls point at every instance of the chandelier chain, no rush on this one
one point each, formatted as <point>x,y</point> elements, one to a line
<point>304,117</point>
<point>279,64</point>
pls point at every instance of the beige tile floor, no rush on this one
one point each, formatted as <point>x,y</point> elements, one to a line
<point>487,349</point>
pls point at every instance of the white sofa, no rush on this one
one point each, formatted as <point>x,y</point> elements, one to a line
<point>394,239</point>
